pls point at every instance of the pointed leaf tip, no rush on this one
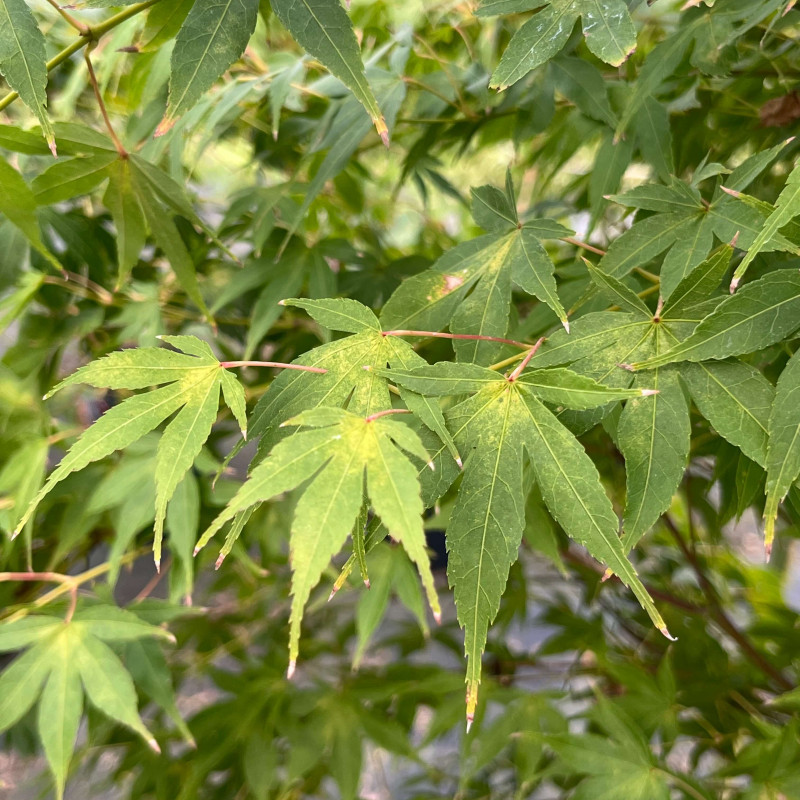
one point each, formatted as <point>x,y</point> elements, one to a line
<point>437,615</point>
<point>627,367</point>
<point>735,239</point>
<point>565,323</point>
<point>196,550</point>
<point>470,720</point>
<point>667,634</point>
<point>165,126</point>
<point>333,592</point>
<point>220,559</point>
<point>649,392</point>
<point>459,462</point>
<point>432,466</point>
<point>367,583</point>
<point>734,285</point>
<point>153,744</point>
<point>607,575</point>
<point>291,669</point>
<point>51,143</point>
<point>767,551</point>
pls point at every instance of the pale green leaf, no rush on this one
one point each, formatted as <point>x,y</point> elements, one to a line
<point>180,444</point>
<point>339,314</point>
<point>109,686</point>
<point>699,285</point>
<point>233,393</point>
<point>61,706</point>
<point>112,624</point>
<point>563,387</point>
<point>20,633</point>
<point>616,292</point>
<point>21,683</point>
<point>783,451</point>
<point>492,210</point>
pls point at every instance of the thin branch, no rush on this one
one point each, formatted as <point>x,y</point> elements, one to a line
<point>48,577</point>
<point>386,413</point>
<point>123,153</point>
<point>721,618</point>
<point>278,364</point>
<point>473,337</point>
<point>531,353</point>
<point>583,245</point>
<point>91,34</point>
<point>79,26</point>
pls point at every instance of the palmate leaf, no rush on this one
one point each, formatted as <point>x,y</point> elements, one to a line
<point>607,26</point>
<point>502,417</point>
<point>760,314</point>
<point>469,288</point>
<point>68,660</point>
<point>190,382</point>
<point>684,226</point>
<point>323,29</point>
<point>211,38</point>
<point>352,376</point>
<point>783,452</point>
<point>23,61</point>
<point>339,451</point>
<point>786,209</point>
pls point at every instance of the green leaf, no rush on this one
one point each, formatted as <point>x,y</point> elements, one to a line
<point>336,454</point>
<point>617,292</point>
<point>20,633</point>
<point>563,387</point>
<point>112,624</point>
<point>66,180</point>
<point>787,208</point>
<point>608,29</point>
<point>736,399</point>
<point>108,686</point>
<point>699,284</point>
<point>61,706</point>
<point>23,61</point>
<point>653,435</point>
<point>21,684</point>
<point>18,203</point>
<point>323,29</point>
<point>193,382</point>
<point>760,314</point>
<point>150,671</point>
<point>168,238</point>
<point>571,489</point>
<point>783,451</point>
<point>538,40</point>
<point>339,315</point>
<point>126,211</point>
<point>583,84</point>
<point>492,210</point>
<point>211,38</point>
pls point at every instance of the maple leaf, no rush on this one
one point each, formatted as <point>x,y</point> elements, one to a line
<point>336,455</point>
<point>190,382</point>
<point>502,417</point>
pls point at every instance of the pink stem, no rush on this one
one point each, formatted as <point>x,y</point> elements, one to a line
<point>48,577</point>
<point>531,353</point>
<point>386,413</point>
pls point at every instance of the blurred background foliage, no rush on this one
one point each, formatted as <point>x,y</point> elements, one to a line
<point>582,698</point>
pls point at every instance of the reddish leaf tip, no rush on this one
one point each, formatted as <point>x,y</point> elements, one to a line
<point>731,192</point>
<point>459,462</point>
<point>51,143</point>
<point>333,592</point>
<point>291,669</point>
<point>734,285</point>
<point>649,392</point>
<point>735,239</point>
<point>367,583</point>
<point>437,616</point>
<point>667,634</point>
<point>154,746</point>
<point>220,559</point>
<point>565,323</point>
<point>627,367</point>
<point>164,127</point>
<point>607,575</point>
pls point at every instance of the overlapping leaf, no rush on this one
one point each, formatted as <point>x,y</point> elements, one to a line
<point>502,417</point>
<point>469,288</point>
<point>336,455</point>
<point>607,26</point>
<point>64,662</point>
<point>23,61</point>
<point>190,382</point>
<point>323,29</point>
